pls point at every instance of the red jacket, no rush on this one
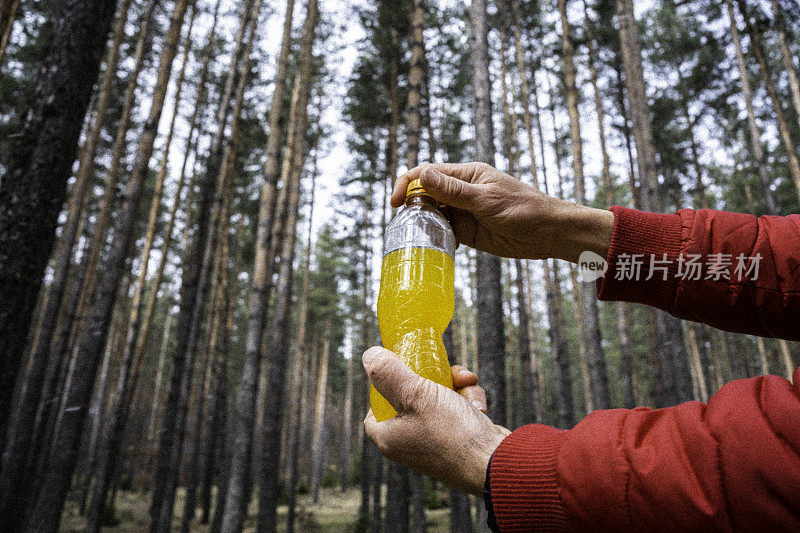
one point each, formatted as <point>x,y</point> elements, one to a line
<point>731,464</point>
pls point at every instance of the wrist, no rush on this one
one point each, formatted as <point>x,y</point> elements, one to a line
<point>582,228</point>
<point>484,451</point>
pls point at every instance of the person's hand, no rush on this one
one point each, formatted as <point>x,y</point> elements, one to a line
<point>496,213</point>
<point>437,432</point>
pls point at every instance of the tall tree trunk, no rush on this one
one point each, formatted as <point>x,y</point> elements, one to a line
<point>601,398</point>
<point>398,474</point>
<point>318,438</point>
<point>245,406</point>
<point>8,13</point>
<point>158,278</point>
<point>21,427</point>
<point>511,148</point>
<point>195,282</point>
<point>777,102</point>
<point>490,334</point>
<point>292,170</point>
<point>296,394</point>
<point>347,429</point>
<point>397,518</point>
<point>558,346</point>
<point>80,299</point>
<point>755,133</point>
<point>47,510</point>
<point>162,355</point>
<point>786,56</point>
<point>39,166</point>
<point>131,357</point>
<point>70,231</point>
<point>215,323</point>
<point>675,380</point>
<point>623,328</point>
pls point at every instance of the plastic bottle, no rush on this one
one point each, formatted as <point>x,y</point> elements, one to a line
<point>416,300</point>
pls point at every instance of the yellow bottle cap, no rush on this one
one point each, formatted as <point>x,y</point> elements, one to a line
<point>415,188</point>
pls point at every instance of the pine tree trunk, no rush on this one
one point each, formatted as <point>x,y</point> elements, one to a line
<point>318,438</point>
<point>8,13</point>
<point>195,283</point>
<point>36,174</point>
<point>297,393</point>
<point>47,510</point>
<point>87,279</point>
<point>347,430</point>
<point>70,231</point>
<point>786,359</point>
<point>149,310</point>
<point>675,382</point>
<point>777,101</point>
<point>590,312</point>
<point>291,172</point>
<point>491,334</point>
<point>786,56</point>
<point>755,133</point>
<point>218,301</point>
<point>21,428</point>
<point>162,355</point>
<point>626,352</point>
<point>245,406</point>
<point>132,358</point>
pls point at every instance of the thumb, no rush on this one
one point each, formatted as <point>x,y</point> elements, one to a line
<point>392,377</point>
<point>449,190</point>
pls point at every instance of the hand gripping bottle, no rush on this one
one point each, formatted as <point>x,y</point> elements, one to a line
<point>416,300</point>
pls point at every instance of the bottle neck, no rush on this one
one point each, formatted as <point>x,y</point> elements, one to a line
<point>420,199</point>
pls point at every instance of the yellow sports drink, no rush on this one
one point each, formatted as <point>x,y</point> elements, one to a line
<point>415,304</point>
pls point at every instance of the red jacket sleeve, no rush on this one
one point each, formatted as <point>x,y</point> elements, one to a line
<point>769,247</point>
<point>732,464</point>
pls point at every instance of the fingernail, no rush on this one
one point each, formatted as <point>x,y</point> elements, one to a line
<point>368,356</point>
<point>431,178</point>
<point>478,405</point>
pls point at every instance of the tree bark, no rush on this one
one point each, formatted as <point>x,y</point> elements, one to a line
<point>7,17</point>
<point>297,393</point>
<point>47,510</point>
<point>245,406</point>
<point>777,102</point>
<point>786,56</point>
<point>195,283</point>
<point>318,438</point>
<point>601,398</point>
<point>70,231</point>
<point>131,357</point>
<point>291,171</point>
<point>35,182</point>
<point>675,383</point>
<point>755,133</point>
<point>20,431</point>
<point>491,334</point>
<point>347,430</point>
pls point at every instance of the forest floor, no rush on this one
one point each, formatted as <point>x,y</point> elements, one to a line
<point>335,511</point>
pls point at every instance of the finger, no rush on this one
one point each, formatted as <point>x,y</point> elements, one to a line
<point>462,171</point>
<point>392,377</point>
<point>475,395</point>
<point>449,190</point>
<point>386,435</point>
<point>463,377</point>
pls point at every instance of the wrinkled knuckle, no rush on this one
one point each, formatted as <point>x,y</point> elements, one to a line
<point>420,394</point>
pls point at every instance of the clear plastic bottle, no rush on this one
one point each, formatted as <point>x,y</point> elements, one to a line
<point>416,299</point>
